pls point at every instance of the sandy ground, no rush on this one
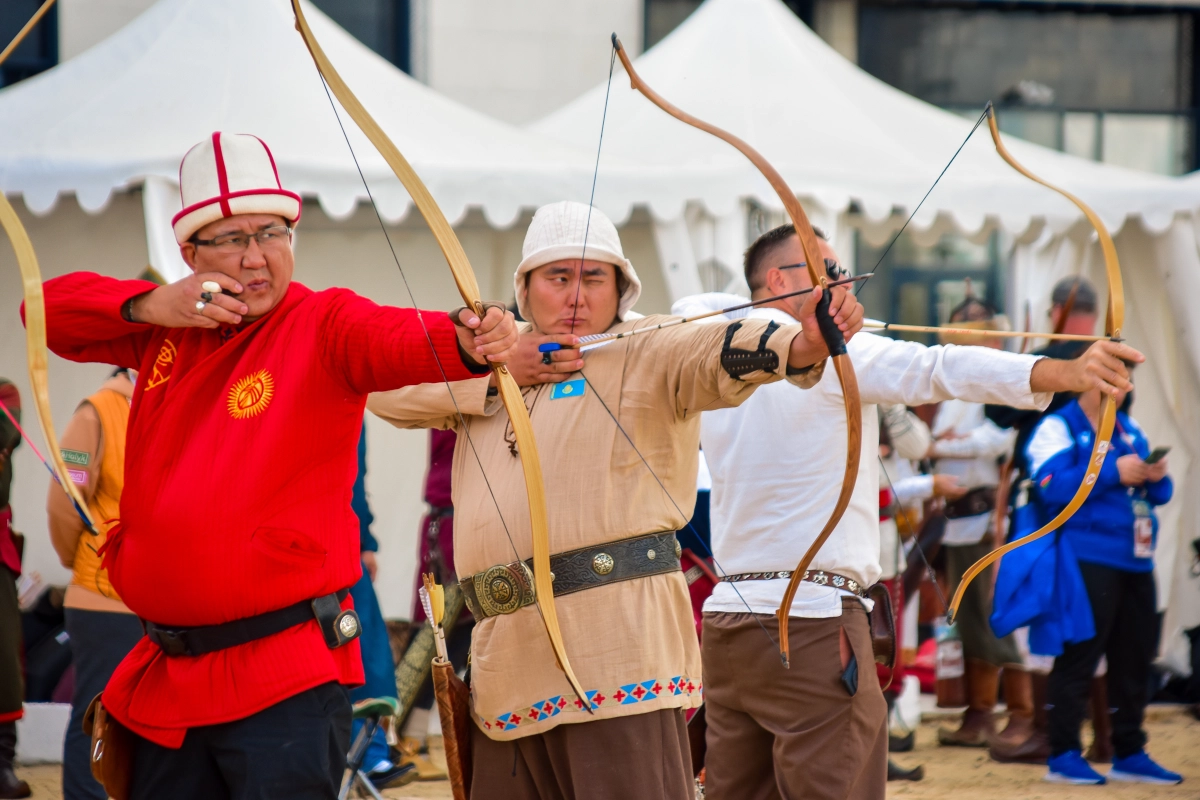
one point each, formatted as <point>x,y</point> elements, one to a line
<point>961,773</point>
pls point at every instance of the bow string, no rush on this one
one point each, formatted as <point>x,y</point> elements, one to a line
<point>468,287</point>
<point>1114,321</point>
<point>37,352</point>
<point>829,330</point>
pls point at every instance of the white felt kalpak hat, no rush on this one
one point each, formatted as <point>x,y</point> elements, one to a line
<point>229,174</point>
<point>557,232</point>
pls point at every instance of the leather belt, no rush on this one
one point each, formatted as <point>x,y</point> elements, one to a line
<point>978,501</point>
<point>337,626</point>
<point>506,588</point>
<point>818,576</point>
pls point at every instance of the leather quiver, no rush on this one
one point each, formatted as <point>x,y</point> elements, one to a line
<point>883,627</point>
<point>454,709</point>
<point>111,754</point>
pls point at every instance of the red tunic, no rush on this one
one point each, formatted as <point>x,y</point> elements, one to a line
<point>238,483</point>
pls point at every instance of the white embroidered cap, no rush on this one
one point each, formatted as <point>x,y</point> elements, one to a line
<point>229,174</point>
<point>557,233</point>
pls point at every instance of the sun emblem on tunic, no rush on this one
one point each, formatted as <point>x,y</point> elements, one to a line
<point>250,396</point>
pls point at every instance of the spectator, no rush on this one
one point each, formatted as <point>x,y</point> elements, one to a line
<point>378,668</point>
<point>969,447</point>
<point>1112,536</point>
<point>101,629</point>
<point>11,691</point>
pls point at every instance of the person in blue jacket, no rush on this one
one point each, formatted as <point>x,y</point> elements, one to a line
<point>1113,536</point>
<point>378,667</point>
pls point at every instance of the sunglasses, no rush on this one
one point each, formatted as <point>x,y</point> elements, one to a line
<point>832,268</point>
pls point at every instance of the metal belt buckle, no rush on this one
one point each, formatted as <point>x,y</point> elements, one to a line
<point>504,588</point>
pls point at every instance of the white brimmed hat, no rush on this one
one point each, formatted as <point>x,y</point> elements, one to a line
<point>229,174</point>
<point>557,232</point>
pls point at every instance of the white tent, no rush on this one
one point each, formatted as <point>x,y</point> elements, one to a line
<point>109,128</point>
<point>127,110</point>
<point>837,135</point>
<point>861,154</point>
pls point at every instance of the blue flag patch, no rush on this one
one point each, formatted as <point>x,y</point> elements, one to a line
<point>575,388</point>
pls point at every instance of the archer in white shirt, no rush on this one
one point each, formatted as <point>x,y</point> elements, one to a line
<point>776,467</point>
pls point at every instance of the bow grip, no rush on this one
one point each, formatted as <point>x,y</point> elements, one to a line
<point>830,332</point>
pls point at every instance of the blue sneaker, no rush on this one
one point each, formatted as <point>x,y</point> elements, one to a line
<point>1140,768</point>
<point>1069,767</point>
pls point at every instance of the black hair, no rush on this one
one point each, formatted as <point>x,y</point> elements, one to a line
<point>763,246</point>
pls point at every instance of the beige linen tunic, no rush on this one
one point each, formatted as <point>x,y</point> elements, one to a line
<point>632,644</point>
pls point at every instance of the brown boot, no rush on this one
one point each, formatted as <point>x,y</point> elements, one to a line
<point>414,751</point>
<point>1036,748</point>
<point>1101,751</point>
<point>1018,696</point>
<point>978,726</point>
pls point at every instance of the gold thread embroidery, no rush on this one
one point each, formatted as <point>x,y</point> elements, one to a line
<point>250,396</point>
<point>161,373</point>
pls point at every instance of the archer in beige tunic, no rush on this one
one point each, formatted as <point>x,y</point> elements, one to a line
<point>632,643</point>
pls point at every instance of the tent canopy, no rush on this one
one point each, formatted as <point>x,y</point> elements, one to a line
<point>131,106</point>
<point>837,134</point>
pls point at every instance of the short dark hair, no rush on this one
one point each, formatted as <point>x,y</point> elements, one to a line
<point>1085,295</point>
<point>763,246</point>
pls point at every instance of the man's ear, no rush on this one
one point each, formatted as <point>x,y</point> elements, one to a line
<point>188,251</point>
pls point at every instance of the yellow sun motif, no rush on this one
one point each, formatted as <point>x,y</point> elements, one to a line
<point>250,396</point>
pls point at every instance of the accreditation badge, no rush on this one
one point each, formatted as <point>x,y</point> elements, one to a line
<point>1143,530</point>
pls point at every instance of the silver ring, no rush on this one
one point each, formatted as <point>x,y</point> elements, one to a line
<point>200,306</point>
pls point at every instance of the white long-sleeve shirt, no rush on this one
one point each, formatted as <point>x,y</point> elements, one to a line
<point>972,457</point>
<point>777,461</point>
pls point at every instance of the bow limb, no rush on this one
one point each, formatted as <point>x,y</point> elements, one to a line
<point>21,34</point>
<point>37,353</point>
<point>1114,321</point>
<point>841,361</point>
<point>468,287</point>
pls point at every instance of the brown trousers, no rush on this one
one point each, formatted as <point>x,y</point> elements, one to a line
<point>786,734</point>
<point>624,758</point>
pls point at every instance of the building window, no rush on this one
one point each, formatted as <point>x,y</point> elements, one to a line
<point>382,25</point>
<point>39,51</point>
<point>660,17</point>
<point>1060,78</point>
<point>915,285</point>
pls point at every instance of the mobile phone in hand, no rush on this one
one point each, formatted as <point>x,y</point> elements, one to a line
<point>1157,455</point>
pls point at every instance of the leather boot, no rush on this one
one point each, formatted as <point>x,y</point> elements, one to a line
<point>1036,748</point>
<point>978,726</point>
<point>10,784</point>
<point>1018,696</point>
<point>414,751</point>
<point>1101,751</point>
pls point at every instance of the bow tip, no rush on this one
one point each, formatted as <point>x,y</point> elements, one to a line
<point>616,41</point>
<point>783,657</point>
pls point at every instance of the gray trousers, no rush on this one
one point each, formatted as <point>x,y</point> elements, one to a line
<point>99,641</point>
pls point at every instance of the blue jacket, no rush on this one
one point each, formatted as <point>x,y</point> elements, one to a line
<point>1040,585</point>
<point>358,497</point>
<point>1101,531</point>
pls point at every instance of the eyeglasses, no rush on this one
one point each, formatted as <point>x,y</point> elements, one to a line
<point>832,268</point>
<point>272,237</point>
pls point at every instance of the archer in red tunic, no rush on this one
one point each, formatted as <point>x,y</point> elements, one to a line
<point>242,457</point>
